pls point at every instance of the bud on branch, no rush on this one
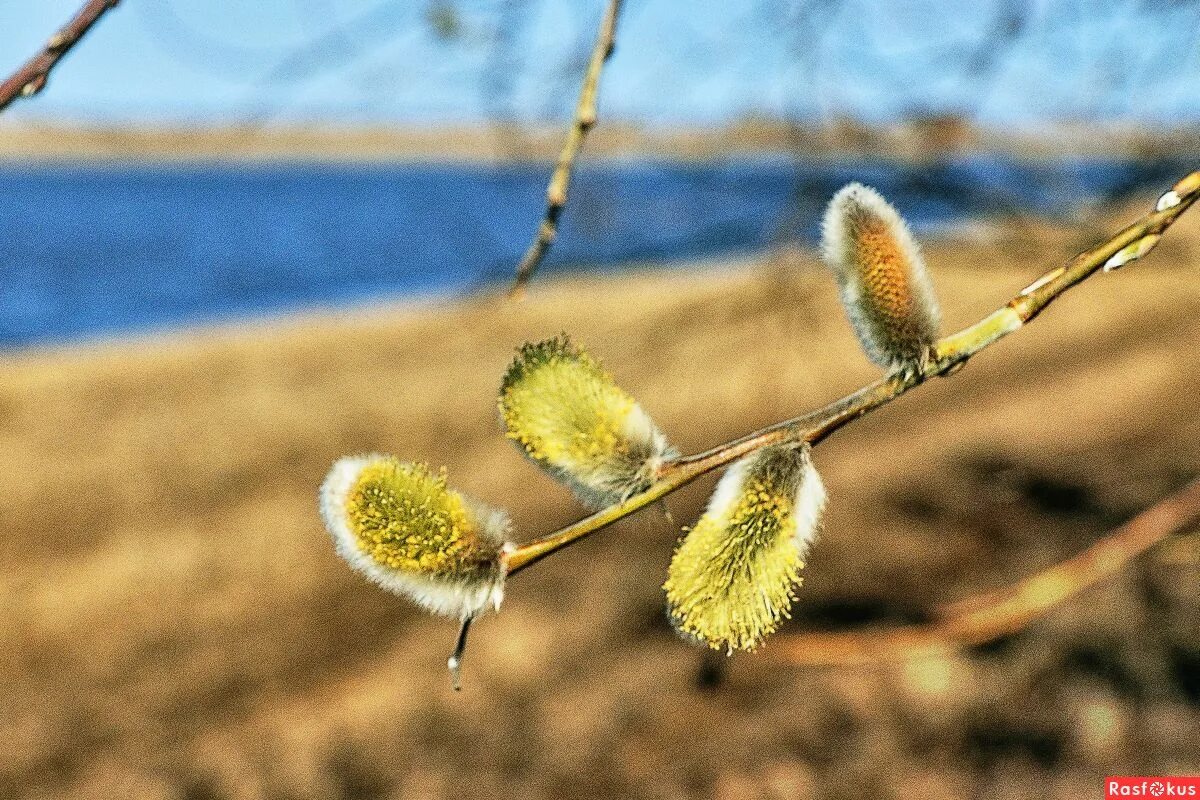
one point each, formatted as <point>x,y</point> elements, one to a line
<point>402,527</point>
<point>569,416</point>
<point>732,580</point>
<point>881,274</point>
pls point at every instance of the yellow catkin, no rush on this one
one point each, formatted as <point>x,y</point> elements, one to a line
<point>405,518</point>
<point>884,285</point>
<point>400,525</point>
<point>569,416</point>
<point>733,578</point>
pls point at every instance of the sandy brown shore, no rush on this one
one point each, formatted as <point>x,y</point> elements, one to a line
<point>918,140</point>
<point>174,623</point>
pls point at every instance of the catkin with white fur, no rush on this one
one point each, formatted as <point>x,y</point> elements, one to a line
<point>400,525</point>
<point>884,286</point>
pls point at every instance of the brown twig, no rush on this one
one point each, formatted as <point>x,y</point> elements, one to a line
<point>983,618</point>
<point>951,352</point>
<point>560,181</point>
<point>31,77</point>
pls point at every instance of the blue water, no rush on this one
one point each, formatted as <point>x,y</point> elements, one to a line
<point>91,251</point>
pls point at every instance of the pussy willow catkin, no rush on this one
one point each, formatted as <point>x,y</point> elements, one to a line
<point>733,577</point>
<point>568,415</point>
<point>401,526</point>
<point>884,286</point>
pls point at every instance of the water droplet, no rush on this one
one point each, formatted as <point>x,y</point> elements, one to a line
<point>454,662</point>
<point>1131,252</point>
<point>1168,200</point>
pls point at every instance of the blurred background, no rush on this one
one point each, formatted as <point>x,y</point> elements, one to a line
<point>245,239</point>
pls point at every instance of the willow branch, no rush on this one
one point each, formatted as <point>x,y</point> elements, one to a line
<point>949,354</point>
<point>986,617</point>
<point>30,78</point>
<point>560,181</point>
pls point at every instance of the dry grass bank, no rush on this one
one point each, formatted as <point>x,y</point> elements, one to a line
<point>934,137</point>
<point>174,624</point>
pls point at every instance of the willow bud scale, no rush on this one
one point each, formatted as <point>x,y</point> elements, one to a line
<point>879,269</point>
<point>400,525</point>
<point>732,579</point>
<point>568,415</point>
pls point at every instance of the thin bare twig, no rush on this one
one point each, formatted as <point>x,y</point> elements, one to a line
<point>950,353</point>
<point>983,618</point>
<point>560,181</point>
<point>30,78</point>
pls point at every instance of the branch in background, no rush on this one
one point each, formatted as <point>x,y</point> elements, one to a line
<point>560,181</point>
<point>986,617</point>
<point>31,77</point>
<point>949,354</point>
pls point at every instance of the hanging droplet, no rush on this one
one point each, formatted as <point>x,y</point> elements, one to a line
<point>1168,200</point>
<point>1132,252</point>
<point>454,662</point>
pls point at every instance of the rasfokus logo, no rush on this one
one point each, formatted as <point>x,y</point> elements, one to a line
<point>1160,786</point>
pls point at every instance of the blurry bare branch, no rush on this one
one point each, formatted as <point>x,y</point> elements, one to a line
<point>983,618</point>
<point>31,77</point>
<point>560,181</point>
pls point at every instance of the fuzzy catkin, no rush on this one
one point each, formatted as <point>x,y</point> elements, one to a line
<point>732,579</point>
<point>884,285</point>
<point>400,525</point>
<point>568,415</point>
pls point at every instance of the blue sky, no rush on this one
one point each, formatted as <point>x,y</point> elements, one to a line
<point>350,61</point>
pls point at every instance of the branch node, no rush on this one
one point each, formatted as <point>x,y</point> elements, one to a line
<point>34,86</point>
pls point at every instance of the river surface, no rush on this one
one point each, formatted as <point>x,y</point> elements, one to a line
<point>92,251</point>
